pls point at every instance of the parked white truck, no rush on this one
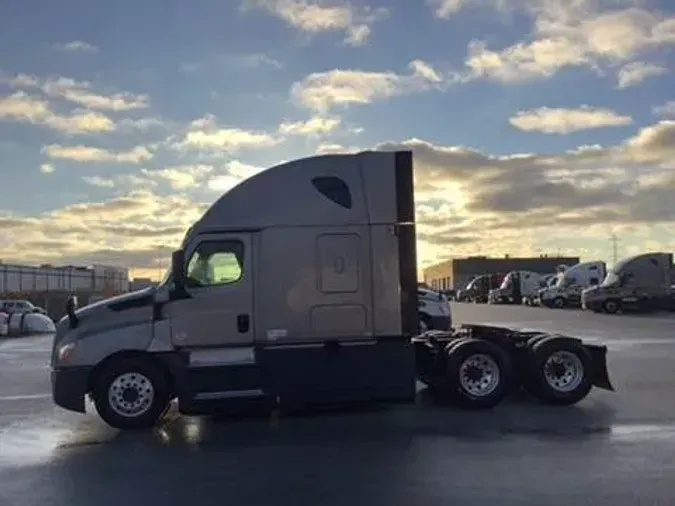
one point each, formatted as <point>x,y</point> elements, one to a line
<point>335,321</point>
<point>566,292</point>
<point>516,286</point>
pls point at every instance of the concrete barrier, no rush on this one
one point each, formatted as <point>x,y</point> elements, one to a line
<point>19,324</point>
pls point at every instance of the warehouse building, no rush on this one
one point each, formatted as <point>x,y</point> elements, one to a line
<point>49,286</point>
<point>48,278</point>
<point>457,272</point>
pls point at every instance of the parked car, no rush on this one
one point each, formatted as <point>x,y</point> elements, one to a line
<point>19,306</point>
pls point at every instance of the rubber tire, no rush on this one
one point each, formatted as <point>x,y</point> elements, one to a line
<point>606,306</point>
<point>537,384</point>
<point>457,354</point>
<point>150,370</point>
<point>558,303</point>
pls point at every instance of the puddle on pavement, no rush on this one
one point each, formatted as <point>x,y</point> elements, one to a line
<point>27,443</point>
<point>641,433</point>
<point>38,441</point>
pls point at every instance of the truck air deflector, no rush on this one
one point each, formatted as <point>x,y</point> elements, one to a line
<point>405,229</point>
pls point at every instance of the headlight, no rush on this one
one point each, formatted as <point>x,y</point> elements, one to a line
<point>65,352</point>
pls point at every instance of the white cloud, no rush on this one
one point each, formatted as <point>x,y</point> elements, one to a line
<point>79,92</point>
<point>313,126</point>
<point>24,108</point>
<point>99,181</point>
<point>205,134</point>
<point>425,71</point>
<point>667,110</point>
<point>635,72</point>
<point>446,8</point>
<point>47,168</point>
<point>322,90</point>
<point>80,153</point>
<point>313,17</point>
<point>329,149</point>
<point>131,181</point>
<point>563,121</point>
<point>142,124</point>
<point>572,34</point>
<point>259,60</point>
<point>232,174</point>
<point>137,230</point>
<point>77,46</point>
<point>180,177</point>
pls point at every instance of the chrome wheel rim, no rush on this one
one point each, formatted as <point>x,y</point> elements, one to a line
<point>131,394</point>
<point>479,375</point>
<point>564,371</point>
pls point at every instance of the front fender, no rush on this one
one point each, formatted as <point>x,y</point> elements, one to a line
<point>92,348</point>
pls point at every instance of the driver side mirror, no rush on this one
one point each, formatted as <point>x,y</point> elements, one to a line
<point>178,268</point>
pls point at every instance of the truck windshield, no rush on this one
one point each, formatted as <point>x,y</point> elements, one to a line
<point>506,283</point>
<point>612,279</point>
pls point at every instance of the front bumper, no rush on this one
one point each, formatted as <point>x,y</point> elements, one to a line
<point>546,302</point>
<point>593,305</point>
<point>69,387</point>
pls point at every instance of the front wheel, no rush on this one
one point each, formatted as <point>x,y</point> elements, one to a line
<point>611,306</point>
<point>478,373</point>
<point>131,393</point>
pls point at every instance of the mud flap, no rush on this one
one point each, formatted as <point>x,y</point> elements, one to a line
<point>600,373</point>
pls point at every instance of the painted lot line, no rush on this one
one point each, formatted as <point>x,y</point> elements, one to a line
<point>28,397</point>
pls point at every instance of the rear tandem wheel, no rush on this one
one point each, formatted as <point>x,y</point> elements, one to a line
<point>478,373</point>
<point>559,370</point>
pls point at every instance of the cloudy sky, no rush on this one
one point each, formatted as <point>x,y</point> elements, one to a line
<point>537,125</point>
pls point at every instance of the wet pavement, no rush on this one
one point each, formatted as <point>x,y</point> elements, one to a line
<point>613,448</point>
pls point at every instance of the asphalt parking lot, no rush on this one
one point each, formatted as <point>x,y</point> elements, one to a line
<point>613,448</point>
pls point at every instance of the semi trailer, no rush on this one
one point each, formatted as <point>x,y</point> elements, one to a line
<point>335,322</point>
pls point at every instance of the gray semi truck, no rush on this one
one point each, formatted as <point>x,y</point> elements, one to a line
<point>299,287</point>
<point>641,282</point>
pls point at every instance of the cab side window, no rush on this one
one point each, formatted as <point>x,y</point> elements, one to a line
<point>216,263</point>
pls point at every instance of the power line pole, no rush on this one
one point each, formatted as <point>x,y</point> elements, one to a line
<point>615,247</point>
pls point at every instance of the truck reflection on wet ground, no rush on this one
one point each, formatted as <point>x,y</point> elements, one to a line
<point>40,440</point>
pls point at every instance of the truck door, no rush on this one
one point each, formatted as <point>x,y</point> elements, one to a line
<point>218,309</point>
<point>573,291</point>
<point>517,288</point>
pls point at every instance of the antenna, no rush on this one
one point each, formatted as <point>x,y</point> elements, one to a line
<point>615,247</point>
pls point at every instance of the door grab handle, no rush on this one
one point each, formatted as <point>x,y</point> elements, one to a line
<point>243,323</point>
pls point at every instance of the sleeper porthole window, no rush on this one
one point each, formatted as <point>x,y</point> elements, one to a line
<point>335,189</point>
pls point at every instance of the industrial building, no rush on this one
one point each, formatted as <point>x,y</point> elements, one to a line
<point>49,286</point>
<point>457,272</point>
<point>47,278</point>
